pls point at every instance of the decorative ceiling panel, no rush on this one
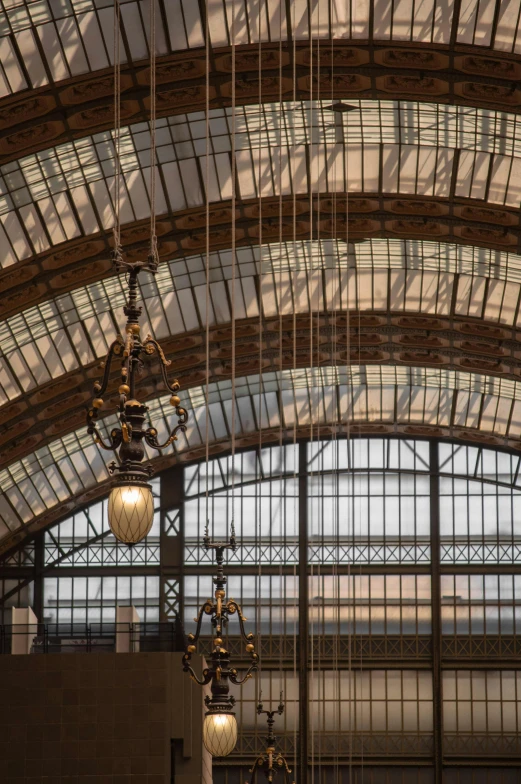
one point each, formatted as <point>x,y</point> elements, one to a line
<point>398,276</point>
<point>45,42</point>
<point>447,401</point>
<point>67,192</point>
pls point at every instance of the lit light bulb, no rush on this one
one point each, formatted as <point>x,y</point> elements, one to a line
<point>129,495</point>
<point>131,512</point>
<point>220,733</point>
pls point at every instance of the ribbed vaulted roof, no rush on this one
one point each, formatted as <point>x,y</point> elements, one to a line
<point>395,309</point>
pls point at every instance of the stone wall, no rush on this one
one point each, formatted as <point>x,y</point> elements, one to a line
<point>100,719</point>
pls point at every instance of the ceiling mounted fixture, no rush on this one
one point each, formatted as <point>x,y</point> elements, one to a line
<point>220,724</point>
<point>131,507</point>
<point>342,107</point>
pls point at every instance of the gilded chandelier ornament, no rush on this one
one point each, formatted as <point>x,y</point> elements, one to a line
<point>220,725</point>
<point>271,761</point>
<point>131,507</point>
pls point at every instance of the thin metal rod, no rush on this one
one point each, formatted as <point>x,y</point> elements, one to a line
<point>302,751</point>
<point>436,610</point>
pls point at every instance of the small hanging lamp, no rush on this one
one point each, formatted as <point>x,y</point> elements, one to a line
<point>131,505</point>
<point>220,724</point>
<point>271,761</point>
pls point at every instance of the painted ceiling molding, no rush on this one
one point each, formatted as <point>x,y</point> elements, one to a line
<point>415,401</point>
<point>45,346</point>
<point>55,409</point>
<point>391,147</point>
<point>48,43</point>
<point>58,114</point>
<point>462,221</point>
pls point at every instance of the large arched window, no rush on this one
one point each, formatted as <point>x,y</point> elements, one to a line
<point>383,576</point>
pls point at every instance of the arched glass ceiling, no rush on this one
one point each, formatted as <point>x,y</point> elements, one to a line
<point>425,278</point>
<point>415,396</point>
<point>67,191</point>
<point>46,41</point>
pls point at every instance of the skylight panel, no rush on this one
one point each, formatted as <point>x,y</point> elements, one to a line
<point>410,270</point>
<point>181,28</point>
<point>400,167</point>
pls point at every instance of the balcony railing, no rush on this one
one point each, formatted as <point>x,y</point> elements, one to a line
<point>94,637</point>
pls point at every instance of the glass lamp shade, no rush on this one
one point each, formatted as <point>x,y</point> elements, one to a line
<point>131,512</point>
<point>220,733</point>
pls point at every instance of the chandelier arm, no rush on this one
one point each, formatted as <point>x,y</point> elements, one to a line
<point>234,607</point>
<point>206,609</point>
<point>207,675</point>
<point>115,349</point>
<point>149,346</point>
<point>287,776</point>
<point>280,760</point>
<point>251,669</point>
<point>182,413</point>
<point>116,437</point>
<point>259,762</point>
<point>151,436</point>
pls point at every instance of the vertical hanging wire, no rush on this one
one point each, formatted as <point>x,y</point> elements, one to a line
<point>258,530</point>
<point>296,483</point>
<point>154,256</point>
<point>207,269</point>
<point>335,307</point>
<point>234,263</point>
<point>310,394</point>
<point>351,627</point>
<point>316,273</point>
<point>282,460</point>
<point>361,522</point>
<point>358,298</point>
<point>117,127</point>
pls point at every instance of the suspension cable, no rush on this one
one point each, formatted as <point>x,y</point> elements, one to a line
<point>336,293</point>
<point>117,127</point>
<point>234,262</point>
<point>296,483</point>
<point>154,257</point>
<point>258,529</point>
<point>310,395</point>
<point>282,461</point>
<point>207,266</point>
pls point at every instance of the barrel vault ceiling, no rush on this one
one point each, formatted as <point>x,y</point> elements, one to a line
<point>378,250</point>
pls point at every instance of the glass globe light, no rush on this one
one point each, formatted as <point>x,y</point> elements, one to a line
<point>220,733</point>
<point>131,512</point>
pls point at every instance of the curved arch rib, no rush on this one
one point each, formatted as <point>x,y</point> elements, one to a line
<point>72,200</point>
<point>67,41</point>
<point>414,400</point>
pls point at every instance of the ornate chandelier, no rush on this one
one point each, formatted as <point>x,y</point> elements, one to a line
<point>220,724</point>
<point>131,506</point>
<point>271,762</point>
